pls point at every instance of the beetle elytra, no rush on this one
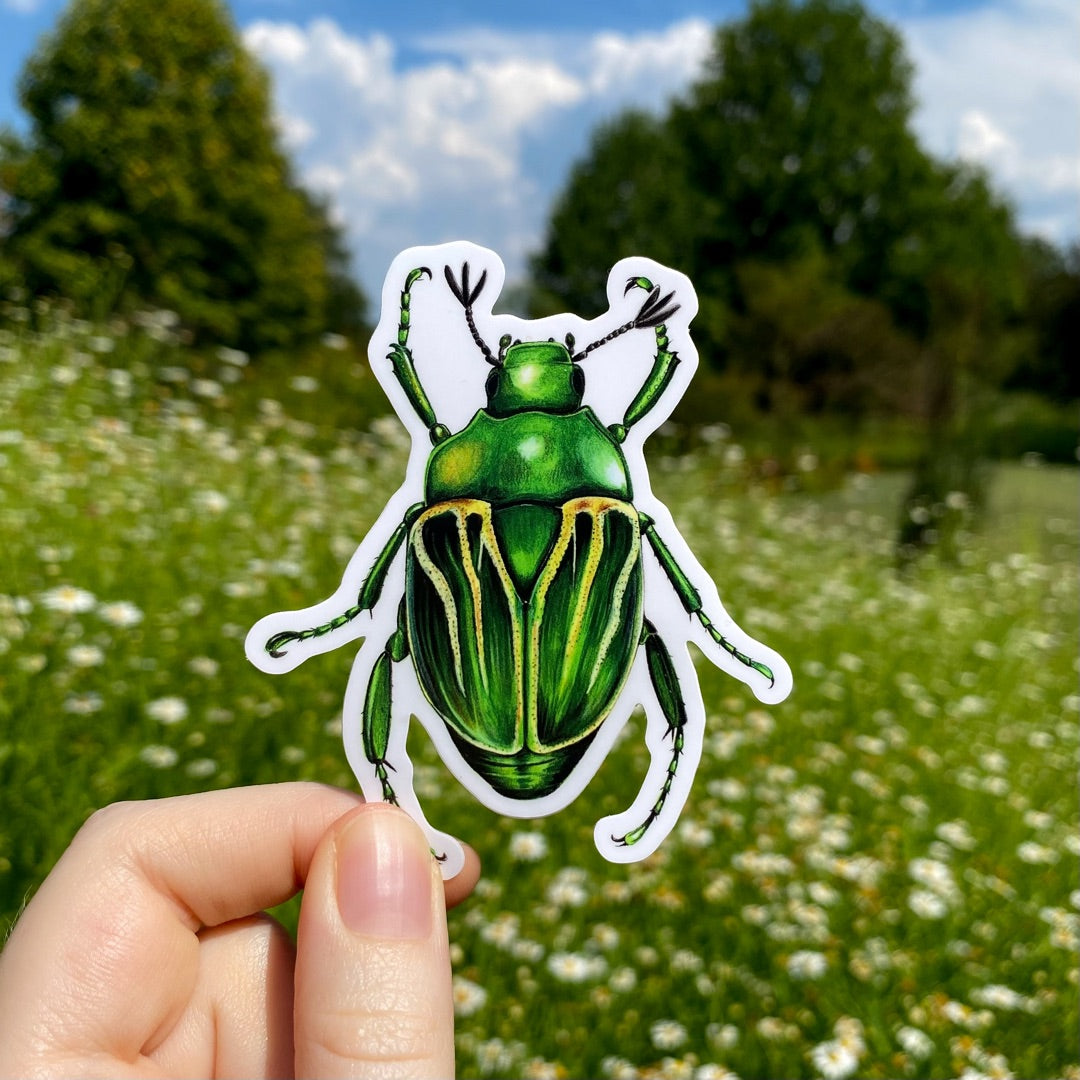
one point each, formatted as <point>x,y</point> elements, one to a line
<point>524,589</point>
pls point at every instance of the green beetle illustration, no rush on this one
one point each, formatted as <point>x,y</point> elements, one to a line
<point>524,607</point>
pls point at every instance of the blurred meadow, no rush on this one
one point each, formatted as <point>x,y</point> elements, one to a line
<point>877,463</point>
<point>876,878</point>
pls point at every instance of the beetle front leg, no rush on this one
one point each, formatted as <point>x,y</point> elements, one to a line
<point>367,598</point>
<point>401,358</point>
<point>665,684</point>
<point>664,363</point>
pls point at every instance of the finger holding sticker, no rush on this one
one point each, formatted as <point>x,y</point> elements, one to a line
<point>524,589</point>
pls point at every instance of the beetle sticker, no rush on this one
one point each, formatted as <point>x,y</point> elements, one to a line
<point>524,589</point>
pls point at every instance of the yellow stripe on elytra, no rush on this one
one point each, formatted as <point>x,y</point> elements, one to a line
<point>442,587</point>
<point>592,561</point>
<point>462,509</point>
<point>589,575</point>
<point>474,585</point>
<point>614,619</point>
<point>491,541</point>
<point>591,504</point>
<point>539,601</point>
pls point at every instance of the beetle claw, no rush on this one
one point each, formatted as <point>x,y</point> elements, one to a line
<point>273,645</point>
<point>415,275</point>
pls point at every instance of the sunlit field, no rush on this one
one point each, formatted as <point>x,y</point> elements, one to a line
<point>878,878</point>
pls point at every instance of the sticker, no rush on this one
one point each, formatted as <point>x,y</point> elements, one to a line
<point>524,589</point>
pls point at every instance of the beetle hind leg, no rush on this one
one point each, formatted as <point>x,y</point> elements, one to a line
<point>691,602</point>
<point>378,707</point>
<point>376,746</point>
<point>666,686</point>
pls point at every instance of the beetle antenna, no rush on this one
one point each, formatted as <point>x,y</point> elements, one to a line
<point>466,299</point>
<point>656,310</point>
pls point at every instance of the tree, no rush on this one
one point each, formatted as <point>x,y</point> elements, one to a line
<point>624,198</point>
<point>818,344</point>
<point>795,149</point>
<point>798,138</point>
<point>152,175</point>
<point>967,272</point>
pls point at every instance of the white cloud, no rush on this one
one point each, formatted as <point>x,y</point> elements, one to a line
<point>295,131</point>
<point>277,43</point>
<point>999,86</point>
<point>620,61</point>
<point>473,136</point>
<point>980,140</point>
<point>468,143</point>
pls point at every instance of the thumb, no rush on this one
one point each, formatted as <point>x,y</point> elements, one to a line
<point>373,984</point>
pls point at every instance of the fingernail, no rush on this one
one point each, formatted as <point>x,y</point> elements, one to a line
<point>384,876</point>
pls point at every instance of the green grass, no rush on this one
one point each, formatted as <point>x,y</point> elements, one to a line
<point>886,850</point>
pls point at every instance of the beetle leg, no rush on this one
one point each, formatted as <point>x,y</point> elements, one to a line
<point>691,599</point>
<point>368,596</point>
<point>664,363</point>
<point>401,358</point>
<point>666,685</point>
<point>378,707</point>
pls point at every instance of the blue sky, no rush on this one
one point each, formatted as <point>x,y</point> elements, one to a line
<point>434,120</point>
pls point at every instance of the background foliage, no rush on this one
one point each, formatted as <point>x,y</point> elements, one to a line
<point>839,265</point>
<point>152,176</point>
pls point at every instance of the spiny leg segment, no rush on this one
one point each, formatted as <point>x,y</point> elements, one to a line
<point>666,685</point>
<point>691,599</point>
<point>378,703</point>
<point>664,677</point>
<point>378,711</point>
<point>369,594</point>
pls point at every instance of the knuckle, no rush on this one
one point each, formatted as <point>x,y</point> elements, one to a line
<point>375,1037</point>
<point>270,938</point>
<point>110,826</point>
<point>251,946</point>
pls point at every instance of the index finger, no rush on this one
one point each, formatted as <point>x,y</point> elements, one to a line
<point>106,956</point>
<point>217,856</point>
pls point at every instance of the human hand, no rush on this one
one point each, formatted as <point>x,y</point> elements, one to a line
<point>146,952</point>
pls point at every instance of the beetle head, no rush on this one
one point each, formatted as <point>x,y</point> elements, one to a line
<point>535,375</point>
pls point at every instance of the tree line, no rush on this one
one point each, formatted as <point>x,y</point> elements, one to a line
<point>839,265</point>
<point>834,257</point>
<point>152,176</point>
